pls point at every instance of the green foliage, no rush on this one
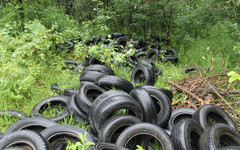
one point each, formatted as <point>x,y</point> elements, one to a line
<point>233,76</point>
<point>82,145</point>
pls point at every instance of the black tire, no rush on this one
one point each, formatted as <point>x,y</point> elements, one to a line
<point>162,104</point>
<point>140,55</point>
<point>152,55</point>
<point>100,68</point>
<point>34,124</point>
<point>108,146</point>
<point>147,104</point>
<point>94,61</point>
<point>143,73</point>
<point>146,63</point>
<point>143,49</point>
<point>15,114</point>
<point>147,130</point>
<point>56,87</point>
<point>14,148</point>
<point>110,81</point>
<point>70,64</point>
<point>186,134</point>
<point>187,70</point>
<point>172,59</point>
<point>90,76</point>
<point>218,136</point>
<point>114,126</point>
<point>93,133</point>
<point>170,55</point>
<point>70,45</point>
<point>178,115</point>
<point>63,133</point>
<point>116,35</point>
<point>209,114</point>
<point>75,110</point>
<point>165,91</point>
<point>157,72</point>
<point>230,148</point>
<point>87,94</point>
<point>24,138</point>
<point>69,92</point>
<point>52,101</point>
<point>121,41</point>
<point>81,65</point>
<point>109,106</point>
<point>155,46</point>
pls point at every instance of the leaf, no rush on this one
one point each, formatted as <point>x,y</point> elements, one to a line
<point>234,77</point>
<point>231,73</point>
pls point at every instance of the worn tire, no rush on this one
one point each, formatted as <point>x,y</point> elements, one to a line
<point>143,72</point>
<point>145,129</point>
<point>55,100</point>
<point>24,137</point>
<point>114,126</point>
<point>209,114</point>
<point>178,115</point>
<point>90,76</point>
<point>81,65</point>
<point>108,146</point>
<point>147,104</point>
<point>218,136</point>
<point>114,81</point>
<point>152,55</point>
<point>60,133</point>
<point>34,124</point>
<point>15,114</point>
<point>100,68</point>
<point>186,134</point>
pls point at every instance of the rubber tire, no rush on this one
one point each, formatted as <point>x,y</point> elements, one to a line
<point>108,146</point>
<point>69,92</point>
<point>178,115</point>
<point>114,81</point>
<point>34,124</point>
<point>90,76</point>
<point>147,104</point>
<point>116,35</point>
<point>187,70</point>
<point>83,100</point>
<point>75,110</point>
<point>151,53</point>
<point>52,100</point>
<point>100,68</point>
<point>145,129</point>
<point>71,45</point>
<point>186,134</point>
<point>165,91</point>
<point>56,87</point>
<point>230,148</point>
<point>145,71</point>
<point>15,114</point>
<point>69,64</point>
<point>163,103</point>
<point>105,108</point>
<point>92,133</point>
<point>109,128</point>
<point>81,65</point>
<point>94,61</point>
<point>24,136</point>
<point>214,137</point>
<point>140,54</point>
<point>67,132</point>
<point>215,113</point>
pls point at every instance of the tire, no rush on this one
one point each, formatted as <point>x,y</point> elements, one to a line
<point>157,72</point>
<point>15,114</point>
<point>178,115</point>
<point>170,55</point>
<point>155,46</point>
<point>146,130</point>
<point>69,92</point>
<point>70,45</point>
<point>143,73</point>
<point>22,138</point>
<point>116,35</point>
<point>14,148</point>
<point>147,104</point>
<point>187,70</point>
<point>34,124</point>
<point>70,64</point>
<point>93,133</point>
<point>56,87</point>
<point>114,81</point>
<point>94,61</point>
<point>81,65</point>
<point>100,68</point>
<point>140,55</point>
<point>162,104</point>
<point>121,41</point>
<point>63,133</point>
<point>108,146</point>
<point>209,114</point>
<point>75,110</point>
<point>165,91</point>
<point>172,59</point>
<point>114,126</point>
<point>90,76</point>
<point>146,63</point>
<point>230,148</point>
<point>54,101</point>
<point>87,94</point>
<point>186,134</point>
<point>218,136</point>
<point>109,106</point>
<point>143,49</point>
<point>152,55</point>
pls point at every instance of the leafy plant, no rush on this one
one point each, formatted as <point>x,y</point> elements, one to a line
<point>233,76</point>
<point>82,145</point>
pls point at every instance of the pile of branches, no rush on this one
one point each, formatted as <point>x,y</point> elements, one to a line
<point>207,88</point>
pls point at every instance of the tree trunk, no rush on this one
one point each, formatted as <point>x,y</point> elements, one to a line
<point>21,13</point>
